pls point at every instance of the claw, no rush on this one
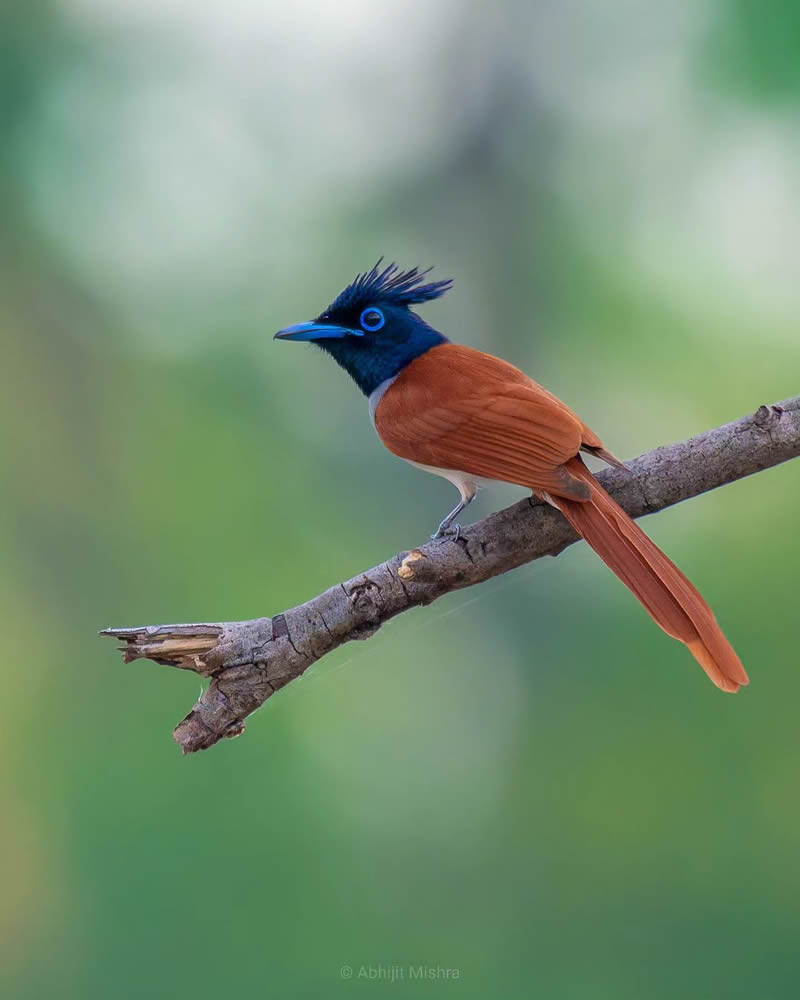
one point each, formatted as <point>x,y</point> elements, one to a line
<point>444,530</point>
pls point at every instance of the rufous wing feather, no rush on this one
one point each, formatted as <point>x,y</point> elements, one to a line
<point>458,408</point>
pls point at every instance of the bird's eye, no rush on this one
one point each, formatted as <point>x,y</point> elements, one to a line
<point>372,319</point>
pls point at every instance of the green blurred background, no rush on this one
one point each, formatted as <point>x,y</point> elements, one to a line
<point>526,782</point>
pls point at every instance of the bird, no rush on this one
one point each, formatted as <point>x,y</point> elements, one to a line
<point>475,419</point>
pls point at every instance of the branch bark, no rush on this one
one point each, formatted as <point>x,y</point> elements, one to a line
<point>249,661</point>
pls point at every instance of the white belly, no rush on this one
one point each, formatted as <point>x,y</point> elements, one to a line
<point>466,484</point>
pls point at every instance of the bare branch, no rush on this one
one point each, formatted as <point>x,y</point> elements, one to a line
<point>248,661</point>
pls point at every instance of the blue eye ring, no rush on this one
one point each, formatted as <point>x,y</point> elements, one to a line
<point>372,313</point>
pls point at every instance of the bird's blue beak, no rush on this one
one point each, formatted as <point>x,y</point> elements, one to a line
<point>315,331</point>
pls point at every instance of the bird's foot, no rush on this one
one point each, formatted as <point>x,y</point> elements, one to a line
<point>445,530</point>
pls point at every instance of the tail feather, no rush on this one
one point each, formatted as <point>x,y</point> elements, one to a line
<point>672,601</point>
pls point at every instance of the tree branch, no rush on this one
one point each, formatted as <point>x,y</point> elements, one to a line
<point>249,661</point>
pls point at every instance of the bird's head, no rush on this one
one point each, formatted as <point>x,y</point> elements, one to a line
<point>370,329</point>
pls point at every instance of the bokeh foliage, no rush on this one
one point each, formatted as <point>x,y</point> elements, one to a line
<point>527,782</point>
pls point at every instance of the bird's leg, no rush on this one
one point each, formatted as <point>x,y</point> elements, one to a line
<point>445,525</point>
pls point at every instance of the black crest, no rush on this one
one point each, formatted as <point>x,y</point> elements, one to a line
<point>391,286</point>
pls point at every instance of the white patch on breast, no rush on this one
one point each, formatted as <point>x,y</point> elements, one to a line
<point>376,396</point>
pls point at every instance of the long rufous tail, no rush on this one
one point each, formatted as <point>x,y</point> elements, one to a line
<point>672,601</point>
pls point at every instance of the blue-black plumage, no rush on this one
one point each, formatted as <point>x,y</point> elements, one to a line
<point>370,329</point>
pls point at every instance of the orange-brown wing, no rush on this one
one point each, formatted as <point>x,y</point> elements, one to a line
<point>457,408</point>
